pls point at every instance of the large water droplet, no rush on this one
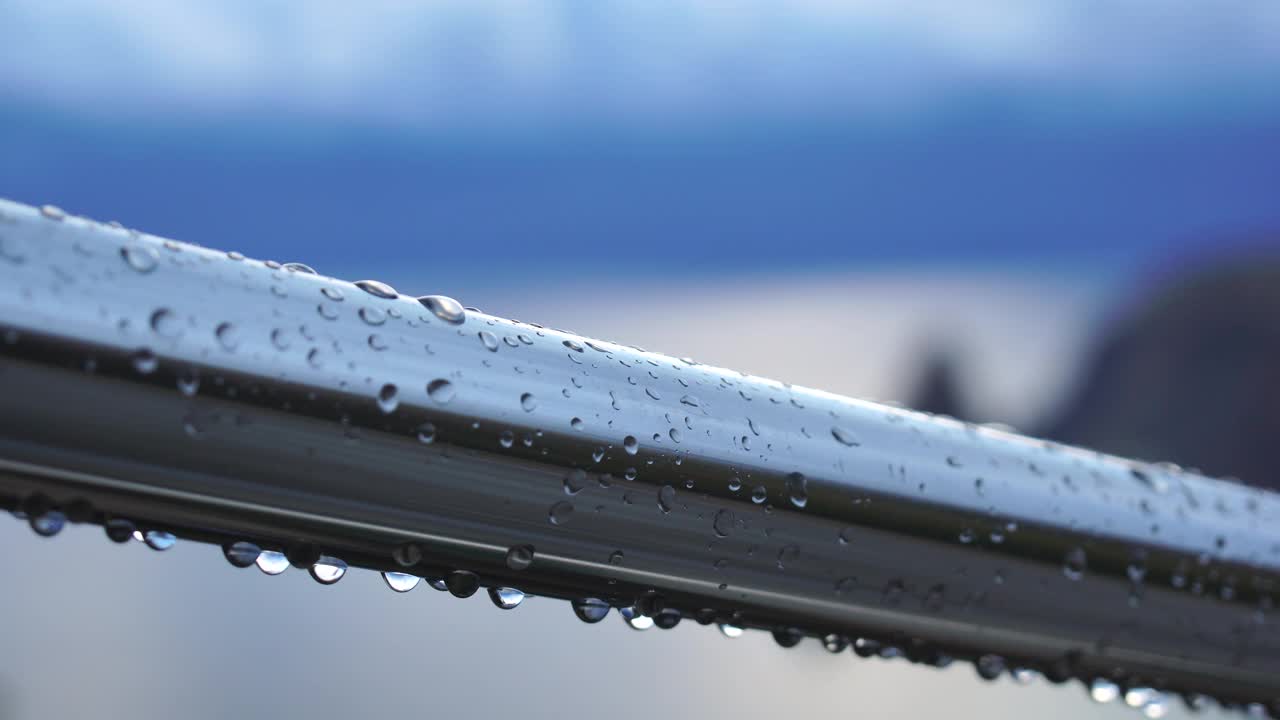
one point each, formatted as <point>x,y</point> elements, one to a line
<point>445,308</point>
<point>560,513</point>
<point>667,618</point>
<point>388,399</point>
<point>48,524</point>
<point>574,481</point>
<point>723,522</point>
<point>462,584</point>
<point>520,557</point>
<point>989,667</point>
<point>159,539</point>
<point>787,637</point>
<point>328,570</point>
<point>140,257</point>
<point>730,631</point>
<point>271,562</point>
<point>798,489</point>
<point>1073,565</point>
<point>666,498</point>
<point>119,530</point>
<point>400,582</point>
<point>635,619</point>
<point>631,445</point>
<point>845,437</point>
<point>505,598</point>
<point>528,402</point>
<point>1103,690</point>
<point>377,289</point>
<point>590,610</point>
<point>241,554</point>
<point>440,390</point>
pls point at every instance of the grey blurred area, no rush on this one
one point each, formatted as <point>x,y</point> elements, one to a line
<point>97,629</point>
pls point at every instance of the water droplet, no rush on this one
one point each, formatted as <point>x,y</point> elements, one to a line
<point>759,494</point>
<point>505,598</point>
<point>328,570</point>
<point>835,643</point>
<point>1158,708</point>
<point>576,424</point>
<point>426,433</point>
<point>989,667</point>
<point>506,439</point>
<point>165,323</point>
<point>560,513</point>
<point>846,585</point>
<point>300,268</point>
<point>666,498</point>
<point>1136,697</point>
<point>844,437</point>
<point>377,289</point>
<point>388,399</point>
<point>787,637</point>
<point>520,557</point>
<point>574,481</point>
<point>437,584</point>
<point>241,553</point>
<point>119,530</point>
<point>48,524</point>
<point>1073,565</point>
<point>53,212</point>
<point>461,583</point>
<point>730,631</point>
<point>1103,690</point>
<point>616,557</point>
<point>372,316</point>
<point>141,258</point>
<point>159,539</point>
<point>631,445</point>
<point>635,619</point>
<point>689,400</point>
<point>445,308</point>
<point>572,345</point>
<point>145,361</point>
<point>440,390</point>
<point>227,336</point>
<point>528,402</point>
<point>797,489</point>
<point>590,610</point>
<point>723,522</point>
<point>966,536</point>
<point>272,562</point>
<point>787,556</point>
<point>667,618</point>
<point>597,455</point>
<point>630,474</point>
<point>400,582</point>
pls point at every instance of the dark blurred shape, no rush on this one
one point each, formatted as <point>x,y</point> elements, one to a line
<point>939,389</point>
<point>1190,376</point>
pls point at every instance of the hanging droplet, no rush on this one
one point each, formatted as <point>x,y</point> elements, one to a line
<point>730,631</point>
<point>47,524</point>
<point>400,582</point>
<point>272,562</point>
<point>328,570</point>
<point>462,584</point>
<point>119,530</point>
<point>667,618</point>
<point>835,643</point>
<point>520,557</point>
<point>989,667</point>
<point>440,390</point>
<point>159,539</point>
<point>437,583</point>
<point>634,619</point>
<point>505,598</point>
<point>445,308</point>
<point>787,637</point>
<point>590,610</point>
<point>377,289</point>
<point>1103,690</point>
<point>241,553</point>
<point>388,399</point>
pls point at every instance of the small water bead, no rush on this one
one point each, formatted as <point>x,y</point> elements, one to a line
<point>445,308</point>
<point>299,268</point>
<point>759,494</point>
<point>119,530</point>
<point>463,584</point>
<point>165,323</point>
<point>241,553</point>
<point>634,619</point>
<point>505,598</point>
<point>722,523</point>
<point>528,402</point>
<point>377,342</point>
<point>797,489</point>
<point>1137,697</point>
<point>145,361</point>
<point>426,433</point>
<point>328,570</point>
<point>440,390</point>
<point>506,439</point>
<point>47,524</point>
<point>576,424</point>
<point>377,289</point>
<point>228,336</point>
<point>787,637</point>
<point>866,647</point>
<point>520,557</point>
<point>616,557</point>
<point>388,399</point>
<point>590,610</point>
<point>1024,676</point>
<point>787,556</point>
<point>845,437</point>
<point>966,536</point>
<point>159,539</point>
<point>989,667</point>
<point>560,513</point>
<point>400,582</point>
<point>834,643</point>
<point>631,445</point>
<point>53,212</point>
<point>666,498</point>
<point>272,562</point>
<point>1103,690</point>
<point>438,584</point>
<point>574,481</point>
<point>141,258</point>
<point>730,631</point>
<point>372,316</point>
<point>667,618</point>
<point>488,340</point>
<point>597,455</point>
<point>1159,707</point>
<point>572,345</point>
<point>234,255</point>
<point>1073,565</point>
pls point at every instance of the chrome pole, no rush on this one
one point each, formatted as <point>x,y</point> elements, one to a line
<point>156,386</point>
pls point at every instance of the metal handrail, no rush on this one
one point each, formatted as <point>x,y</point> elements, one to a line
<point>160,387</point>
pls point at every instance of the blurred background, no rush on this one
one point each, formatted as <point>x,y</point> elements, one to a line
<point>1062,215</point>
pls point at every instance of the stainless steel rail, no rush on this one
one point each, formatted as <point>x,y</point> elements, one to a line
<point>155,385</point>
